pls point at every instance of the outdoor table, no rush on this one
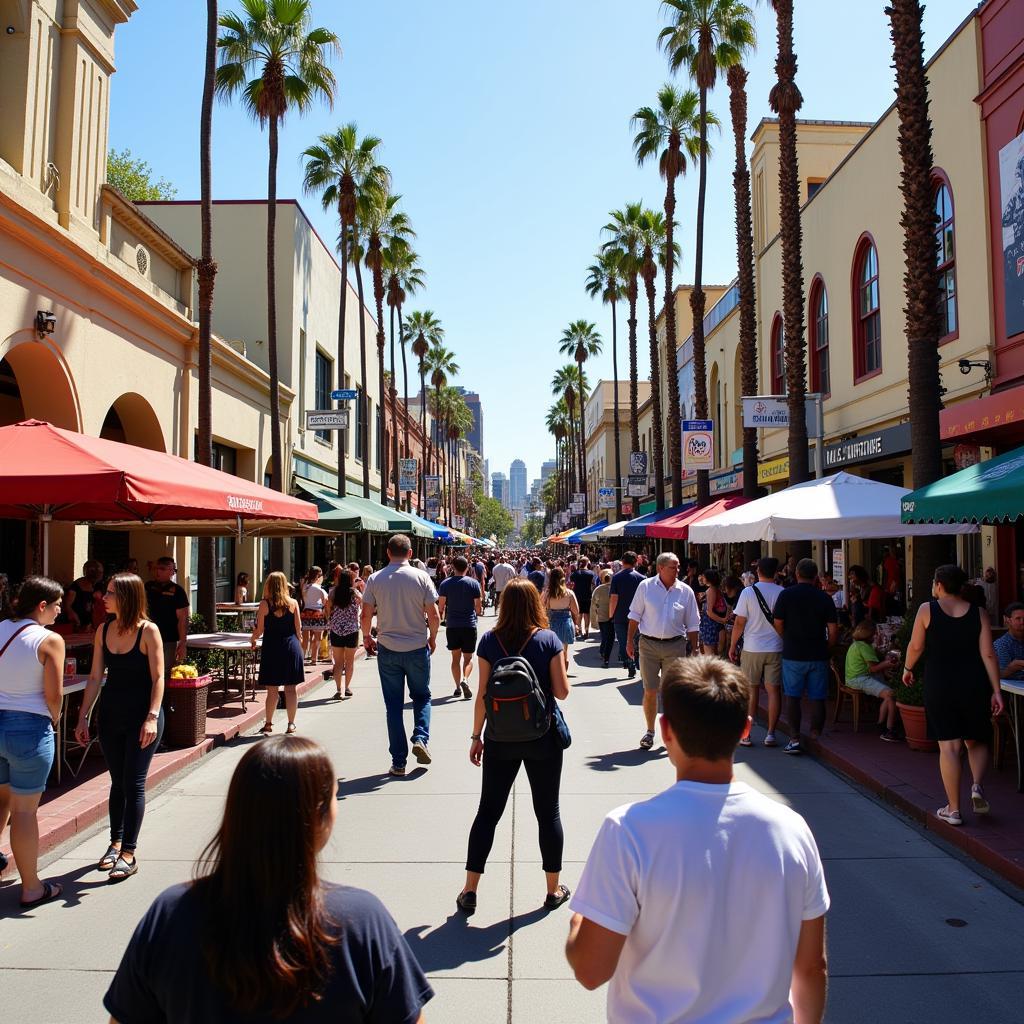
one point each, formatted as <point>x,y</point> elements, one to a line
<point>72,684</point>
<point>246,612</point>
<point>1015,688</point>
<point>236,647</point>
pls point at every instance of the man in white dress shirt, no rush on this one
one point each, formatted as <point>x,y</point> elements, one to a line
<point>664,612</point>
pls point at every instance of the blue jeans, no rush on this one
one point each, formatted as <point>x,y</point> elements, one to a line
<point>26,751</point>
<point>621,632</point>
<point>799,677</point>
<point>398,669</point>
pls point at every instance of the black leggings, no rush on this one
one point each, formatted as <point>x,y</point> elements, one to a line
<point>499,775</point>
<point>128,764</point>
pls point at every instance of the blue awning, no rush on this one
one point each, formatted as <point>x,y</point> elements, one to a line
<point>588,533</point>
<point>638,527</point>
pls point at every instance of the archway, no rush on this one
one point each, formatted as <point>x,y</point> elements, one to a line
<point>131,419</point>
<point>35,384</point>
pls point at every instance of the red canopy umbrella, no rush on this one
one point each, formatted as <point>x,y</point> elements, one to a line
<point>677,527</point>
<point>48,473</point>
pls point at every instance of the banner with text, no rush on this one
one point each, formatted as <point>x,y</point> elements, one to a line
<point>433,485</point>
<point>698,444</point>
<point>407,473</point>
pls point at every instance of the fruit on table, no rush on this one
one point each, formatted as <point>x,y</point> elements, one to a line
<point>184,672</point>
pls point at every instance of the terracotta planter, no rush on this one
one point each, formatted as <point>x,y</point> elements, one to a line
<point>916,727</point>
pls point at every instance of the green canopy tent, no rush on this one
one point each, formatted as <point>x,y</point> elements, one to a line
<point>989,492</point>
<point>352,514</point>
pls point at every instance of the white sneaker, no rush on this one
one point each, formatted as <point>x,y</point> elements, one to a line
<point>769,740</point>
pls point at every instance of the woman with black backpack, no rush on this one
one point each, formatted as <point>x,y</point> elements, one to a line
<point>521,675</point>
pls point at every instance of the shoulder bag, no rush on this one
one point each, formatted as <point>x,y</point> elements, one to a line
<point>765,610</point>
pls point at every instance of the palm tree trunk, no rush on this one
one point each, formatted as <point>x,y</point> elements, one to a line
<point>615,421</point>
<point>634,415</point>
<point>364,453</point>
<point>378,298</point>
<point>675,444</point>
<point>277,467</point>
<point>698,299</point>
<point>583,450</point>
<point>342,304</point>
<point>921,284</point>
<point>393,395</point>
<point>425,468</point>
<point>405,401</point>
<point>207,271</point>
<point>658,456</point>
<point>786,100</point>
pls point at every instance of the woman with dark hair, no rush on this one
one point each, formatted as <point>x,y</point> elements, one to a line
<point>129,648</point>
<point>563,611</point>
<point>520,630</point>
<point>278,622</point>
<point>867,601</point>
<point>714,612</point>
<point>258,935</point>
<point>343,619</point>
<point>31,692</point>
<point>961,684</point>
<point>242,588</point>
<point>314,618</point>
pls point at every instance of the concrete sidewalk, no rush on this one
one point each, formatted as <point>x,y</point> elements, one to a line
<point>915,934</point>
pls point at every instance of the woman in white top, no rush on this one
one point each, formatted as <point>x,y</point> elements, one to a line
<point>31,691</point>
<point>242,588</point>
<point>314,620</point>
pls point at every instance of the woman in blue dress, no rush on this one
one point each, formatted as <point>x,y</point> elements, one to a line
<point>563,611</point>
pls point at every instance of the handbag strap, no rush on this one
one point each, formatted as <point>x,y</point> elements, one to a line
<point>10,639</point>
<point>766,611</point>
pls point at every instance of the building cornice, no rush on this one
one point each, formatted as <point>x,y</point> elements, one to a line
<point>151,233</point>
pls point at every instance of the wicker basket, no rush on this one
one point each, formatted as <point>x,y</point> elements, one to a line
<point>185,711</point>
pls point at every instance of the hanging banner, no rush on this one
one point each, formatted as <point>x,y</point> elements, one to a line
<point>433,506</point>
<point>576,508</point>
<point>771,412</point>
<point>839,566</point>
<point>433,485</point>
<point>578,498</point>
<point>407,472</point>
<point>459,522</point>
<point>699,444</point>
<point>627,508</point>
<point>638,463</point>
<point>638,484</point>
<point>606,497</point>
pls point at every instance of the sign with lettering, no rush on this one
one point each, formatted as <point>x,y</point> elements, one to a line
<point>433,485</point>
<point>771,412</point>
<point>638,463</point>
<point>606,497</point>
<point>637,485</point>
<point>343,395</point>
<point>699,444</point>
<point>408,470</point>
<point>880,444</point>
<point>327,419</point>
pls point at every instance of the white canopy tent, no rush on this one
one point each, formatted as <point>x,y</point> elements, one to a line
<point>613,531</point>
<point>839,507</point>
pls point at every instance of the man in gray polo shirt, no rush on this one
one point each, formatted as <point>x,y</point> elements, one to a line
<point>405,603</point>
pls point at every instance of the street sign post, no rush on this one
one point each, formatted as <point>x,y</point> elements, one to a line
<point>698,444</point>
<point>344,395</point>
<point>606,497</point>
<point>327,419</point>
<point>771,412</point>
<point>637,484</point>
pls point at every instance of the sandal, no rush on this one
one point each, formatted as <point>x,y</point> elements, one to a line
<point>348,692</point>
<point>124,869</point>
<point>978,801</point>
<point>291,728</point>
<point>948,816</point>
<point>466,901</point>
<point>268,728</point>
<point>555,899</point>
<point>51,891</point>
<point>109,859</point>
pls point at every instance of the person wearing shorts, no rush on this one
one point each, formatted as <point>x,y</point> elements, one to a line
<point>460,601</point>
<point>807,621</point>
<point>865,671</point>
<point>342,614</point>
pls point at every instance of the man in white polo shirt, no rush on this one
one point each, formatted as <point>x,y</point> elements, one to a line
<point>708,901</point>
<point>664,612</point>
<point>761,657</point>
<point>501,574</point>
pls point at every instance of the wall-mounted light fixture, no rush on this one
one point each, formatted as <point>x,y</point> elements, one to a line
<point>966,365</point>
<point>46,322</point>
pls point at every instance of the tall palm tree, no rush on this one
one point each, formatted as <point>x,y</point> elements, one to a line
<point>559,423</point>
<point>277,62</point>
<point>581,341</point>
<point>785,100</point>
<point>424,331</point>
<point>672,133</point>
<point>338,166</point>
<point>604,279</point>
<point>207,272</point>
<point>440,361</point>
<point>705,37</point>
<point>920,282</point>
<point>623,236</point>
<point>569,384</point>
<point>357,251</point>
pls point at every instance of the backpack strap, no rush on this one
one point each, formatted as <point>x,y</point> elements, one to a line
<point>765,610</point>
<point>527,644</point>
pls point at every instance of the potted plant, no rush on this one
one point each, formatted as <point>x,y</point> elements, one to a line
<point>910,698</point>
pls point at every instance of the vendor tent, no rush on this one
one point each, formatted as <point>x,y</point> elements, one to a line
<point>988,492</point>
<point>677,527</point>
<point>352,514</point>
<point>638,527</point>
<point>587,534</point>
<point>839,507</point>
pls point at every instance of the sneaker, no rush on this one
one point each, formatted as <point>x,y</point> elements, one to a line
<point>888,736</point>
<point>978,801</point>
<point>647,741</point>
<point>793,747</point>
<point>632,673</point>
<point>948,816</point>
<point>770,740</point>
<point>420,752</point>
<point>746,741</point>
<point>466,691</point>
<point>397,770</point>
<point>458,692</point>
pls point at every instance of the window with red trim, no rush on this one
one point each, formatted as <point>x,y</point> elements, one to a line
<point>821,380</point>
<point>945,258</point>
<point>778,362</point>
<point>867,326</point>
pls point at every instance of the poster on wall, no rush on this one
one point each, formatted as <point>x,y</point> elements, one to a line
<point>433,485</point>
<point>407,471</point>
<point>1011,201</point>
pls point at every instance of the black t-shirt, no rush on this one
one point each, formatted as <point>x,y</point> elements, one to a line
<point>162,977</point>
<point>85,597</point>
<point>806,612</point>
<point>164,600</point>
<point>538,579</point>
<point>460,594</point>
<point>583,582</point>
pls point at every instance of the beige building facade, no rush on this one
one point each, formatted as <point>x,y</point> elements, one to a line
<point>599,433</point>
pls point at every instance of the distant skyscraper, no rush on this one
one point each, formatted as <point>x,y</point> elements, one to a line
<point>499,488</point>
<point>476,433</point>
<point>546,469</point>
<point>487,478</point>
<point>517,484</point>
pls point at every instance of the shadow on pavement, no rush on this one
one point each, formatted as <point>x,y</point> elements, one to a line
<point>455,942</point>
<point>633,692</point>
<point>373,783</point>
<point>70,897</point>
<point>617,759</point>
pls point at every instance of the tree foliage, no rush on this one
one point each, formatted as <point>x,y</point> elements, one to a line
<point>133,178</point>
<point>493,518</point>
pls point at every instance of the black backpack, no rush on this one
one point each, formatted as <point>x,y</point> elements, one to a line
<point>515,704</point>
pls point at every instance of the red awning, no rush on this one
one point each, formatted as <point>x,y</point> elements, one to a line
<point>45,470</point>
<point>1000,415</point>
<point>677,527</point>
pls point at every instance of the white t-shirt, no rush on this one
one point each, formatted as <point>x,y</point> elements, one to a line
<point>501,574</point>
<point>314,597</point>
<point>759,636</point>
<point>710,884</point>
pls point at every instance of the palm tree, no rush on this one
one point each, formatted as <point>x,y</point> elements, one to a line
<point>706,36</point>
<point>207,272</point>
<point>277,62</point>
<point>921,284</point>
<point>338,167</point>
<point>604,278</point>
<point>571,385</point>
<point>671,133</point>
<point>785,100</point>
<point>623,232</point>
<point>357,251</point>
<point>405,278</point>
<point>440,361</point>
<point>424,330</point>
<point>581,340</point>
<point>559,424</point>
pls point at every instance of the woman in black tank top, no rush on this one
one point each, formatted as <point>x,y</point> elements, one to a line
<point>131,719</point>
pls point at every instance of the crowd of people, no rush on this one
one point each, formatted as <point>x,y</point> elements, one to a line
<point>703,642</point>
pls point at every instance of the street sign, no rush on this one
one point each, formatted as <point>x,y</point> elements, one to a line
<point>606,497</point>
<point>578,498</point>
<point>344,395</point>
<point>459,522</point>
<point>771,412</point>
<point>433,485</point>
<point>407,474</point>
<point>327,419</point>
<point>638,463</point>
<point>638,484</point>
<point>576,508</point>
<point>698,444</point>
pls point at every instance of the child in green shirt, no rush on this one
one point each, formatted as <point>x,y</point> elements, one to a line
<point>864,671</point>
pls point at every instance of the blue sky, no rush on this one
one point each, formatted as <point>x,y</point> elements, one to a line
<point>506,128</point>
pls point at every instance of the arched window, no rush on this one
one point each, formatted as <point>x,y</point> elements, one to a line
<point>945,257</point>
<point>867,322</point>
<point>821,380</point>
<point>778,360</point>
